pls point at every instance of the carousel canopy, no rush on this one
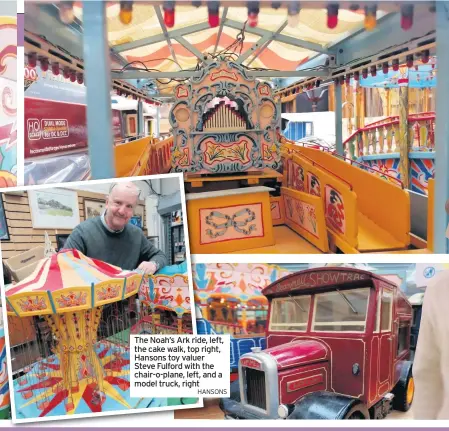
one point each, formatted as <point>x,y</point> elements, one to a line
<point>169,37</point>
<point>70,281</point>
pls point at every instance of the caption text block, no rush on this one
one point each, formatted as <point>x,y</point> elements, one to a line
<point>180,366</point>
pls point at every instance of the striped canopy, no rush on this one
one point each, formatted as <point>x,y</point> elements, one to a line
<point>70,281</point>
<point>157,54</point>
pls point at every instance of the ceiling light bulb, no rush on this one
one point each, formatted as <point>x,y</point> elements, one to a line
<point>125,16</point>
<point>293,20</point>
<point>370,22</point>
<point>66,14</point>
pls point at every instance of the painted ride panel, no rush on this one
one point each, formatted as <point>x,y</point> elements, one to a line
<point>165,302</point>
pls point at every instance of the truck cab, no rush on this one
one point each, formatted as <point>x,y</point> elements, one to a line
<point>338,347</point>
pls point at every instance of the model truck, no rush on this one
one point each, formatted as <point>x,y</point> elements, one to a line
<point>338,347</point>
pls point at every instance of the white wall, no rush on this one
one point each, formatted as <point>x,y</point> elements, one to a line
<point>8,8</point>
<point>170,186</point>
<point>95,188</point>
<point>324,123</point>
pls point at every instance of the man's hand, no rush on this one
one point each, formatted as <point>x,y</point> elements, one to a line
<point>148,267</point>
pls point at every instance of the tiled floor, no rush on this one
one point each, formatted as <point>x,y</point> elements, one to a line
<point>211,411</point>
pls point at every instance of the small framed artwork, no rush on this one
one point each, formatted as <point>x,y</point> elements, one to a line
<point>4,232</point>
<point>136,221</point>
<point>139,212</point>
<point>154,240</point>
<point>54,209</point>
<point>60,241</point>
<point>93,207</point>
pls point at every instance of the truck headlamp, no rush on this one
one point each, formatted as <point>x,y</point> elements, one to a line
<point>283,411</point>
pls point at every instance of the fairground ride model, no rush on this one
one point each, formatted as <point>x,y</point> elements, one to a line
<point>164,299</point>
<point>87,369</point>
<point>249,189</point>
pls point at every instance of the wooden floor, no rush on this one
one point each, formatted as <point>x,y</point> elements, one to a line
<point>211,411</point>
<point>287,242</point>
<point>414,251</point>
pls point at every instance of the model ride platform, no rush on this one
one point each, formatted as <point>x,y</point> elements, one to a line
<point>84,374</point>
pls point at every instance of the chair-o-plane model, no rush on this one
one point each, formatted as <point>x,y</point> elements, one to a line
<point>85,364</point>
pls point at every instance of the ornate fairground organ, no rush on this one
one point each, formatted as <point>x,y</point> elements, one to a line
<point>224,121</point>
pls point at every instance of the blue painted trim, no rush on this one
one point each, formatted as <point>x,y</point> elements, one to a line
<point>417,155</point>
<point>92,294</point>
<point>442,129</point>
<point>380,156</point>
<point>338,120</point>
<point>97,70</point>
<point>51,302</point>
<point>140,286</point>
<point>140,119</point>
<point>421,155</point>
<point>124,288</point>
<point>13,309</point>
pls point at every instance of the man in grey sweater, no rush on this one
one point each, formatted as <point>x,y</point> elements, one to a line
<point>112,239</point>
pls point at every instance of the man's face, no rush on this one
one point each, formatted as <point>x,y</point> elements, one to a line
<point>119,208</point>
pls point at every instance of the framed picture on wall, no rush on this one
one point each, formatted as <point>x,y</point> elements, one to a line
<point>139,212</point>
<point>154,240</point>
<point>93,207</point>
<point>54,209</point>
<point>60,241</point>
<point>4,232</point>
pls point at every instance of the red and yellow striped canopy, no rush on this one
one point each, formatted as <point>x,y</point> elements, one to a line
<point>277,55</point>
<point>70,281</point>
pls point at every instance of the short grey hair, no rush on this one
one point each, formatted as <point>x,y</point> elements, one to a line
<point>129,186</point>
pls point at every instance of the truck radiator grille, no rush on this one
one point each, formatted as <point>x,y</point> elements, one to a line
<point>255,388</point>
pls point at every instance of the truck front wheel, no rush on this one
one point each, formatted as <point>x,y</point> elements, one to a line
<point>404,390</point>
<point>357,412</point>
